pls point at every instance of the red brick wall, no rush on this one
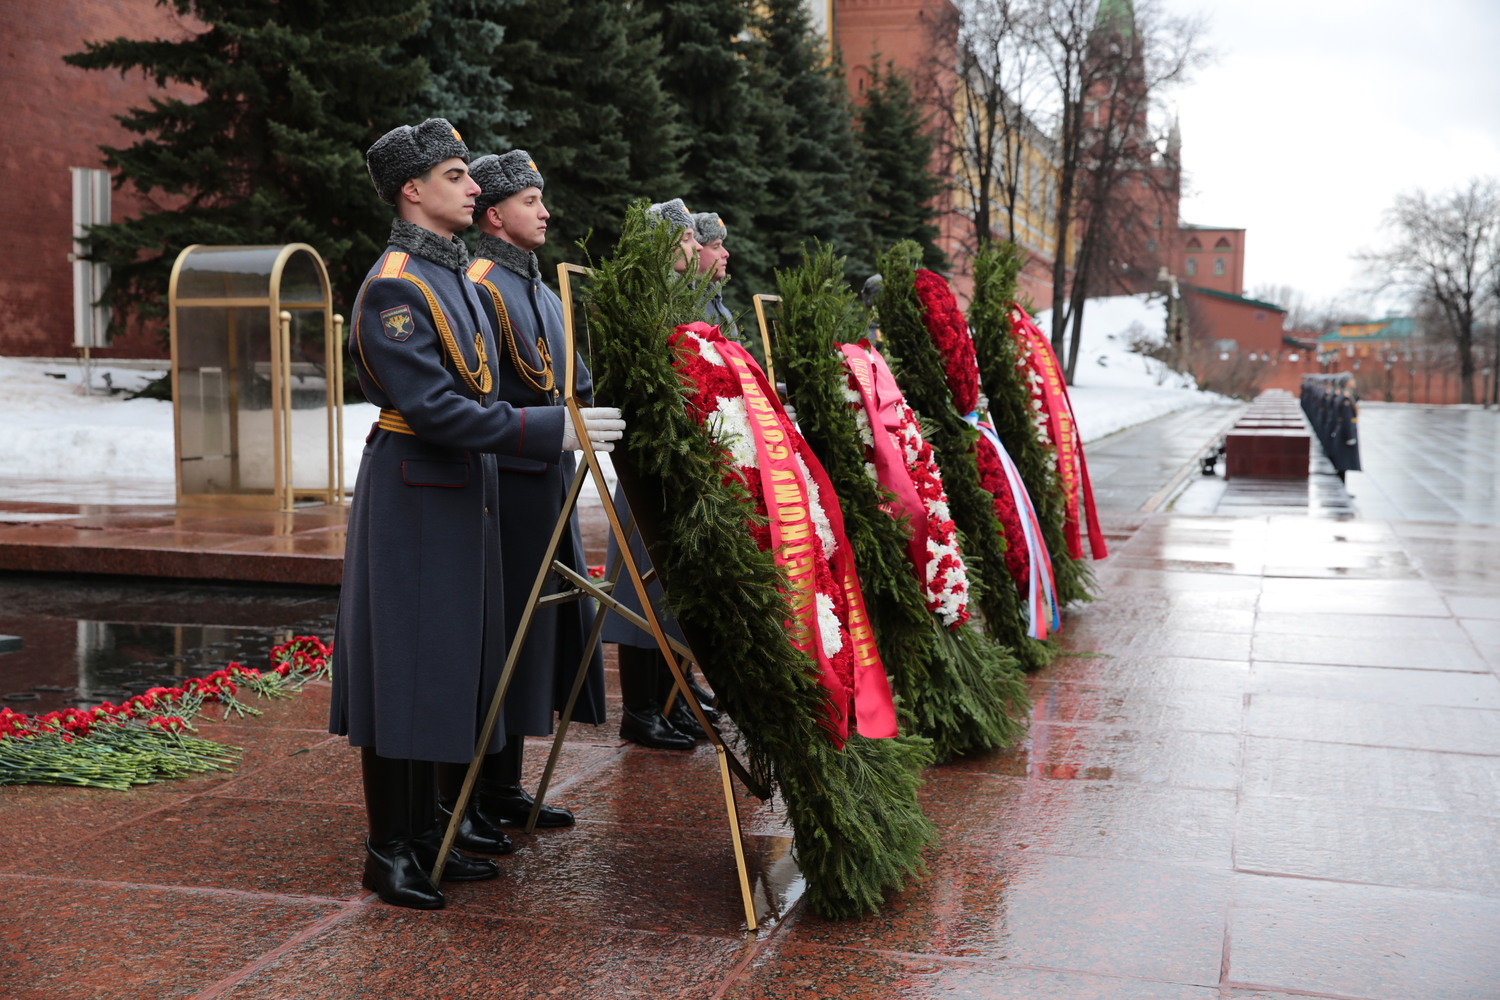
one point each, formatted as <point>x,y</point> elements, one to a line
<point>56,117</point>
<point>911,34</point>
<point>1226,245</point>
<point>1254,327</point>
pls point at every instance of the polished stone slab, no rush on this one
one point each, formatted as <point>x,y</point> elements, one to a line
<point>1328,938</point>
<point>1264,765</point>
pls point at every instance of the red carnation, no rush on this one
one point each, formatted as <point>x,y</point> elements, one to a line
<point>992,478</point>
<point>950,335</point>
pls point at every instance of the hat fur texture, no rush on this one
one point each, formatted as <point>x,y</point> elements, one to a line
<point>409,151</point>
<point>707,227</point>
<point>503,175</point>
<point>674,212</point>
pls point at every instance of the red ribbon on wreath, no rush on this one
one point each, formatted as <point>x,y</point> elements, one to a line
<point>1049,396</point>
<point>854,678</point>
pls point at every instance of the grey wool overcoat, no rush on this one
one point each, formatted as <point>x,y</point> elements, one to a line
<point>532,495</point>
<point>421,635</point>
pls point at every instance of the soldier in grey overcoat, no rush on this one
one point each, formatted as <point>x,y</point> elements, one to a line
<point>528,320</point>
<point>710,232</point>
<point>645,680</point>
<point>421,635</point>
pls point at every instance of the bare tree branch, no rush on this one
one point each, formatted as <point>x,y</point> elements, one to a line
<point>1444,254</point>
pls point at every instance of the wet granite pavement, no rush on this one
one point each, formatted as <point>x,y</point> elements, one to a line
<point>1267,765</point>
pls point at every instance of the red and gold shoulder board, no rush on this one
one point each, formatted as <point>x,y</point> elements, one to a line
<point>480,269</point>
<point>394,264</point>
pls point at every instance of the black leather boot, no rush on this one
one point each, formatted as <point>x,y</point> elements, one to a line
<point>476,832</point>
<point>705,700</point>
<point>500,797</point>
<point>392,868</point>
<point>641,721</point>
<point>679,715</point>
<point>426,818</point>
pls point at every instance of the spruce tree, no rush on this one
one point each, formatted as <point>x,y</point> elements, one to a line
<point>812,177</point>
<point>467,83</point>
<point>270,149</point>
<point>707,50</point>
<point>585,75</point>
<point>897,153</point>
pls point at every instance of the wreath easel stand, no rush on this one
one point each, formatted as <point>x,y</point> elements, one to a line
<point>578,587</point>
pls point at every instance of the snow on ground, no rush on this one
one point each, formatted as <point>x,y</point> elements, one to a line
<point>1113,387</point>
<point>50,429</point>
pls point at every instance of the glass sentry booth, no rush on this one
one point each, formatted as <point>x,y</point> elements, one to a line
<point>257,377</point>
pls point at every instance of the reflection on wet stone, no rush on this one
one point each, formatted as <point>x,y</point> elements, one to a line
<point>93,641</point>
<point>1264,765</point>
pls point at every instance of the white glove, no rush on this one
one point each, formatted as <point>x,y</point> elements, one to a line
<point>791,414</point>
<point>603,424</point>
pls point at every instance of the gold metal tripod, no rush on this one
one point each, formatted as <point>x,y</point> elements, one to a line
<point>579,587</point>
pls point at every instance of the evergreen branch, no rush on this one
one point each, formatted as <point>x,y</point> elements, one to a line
<point>959,688</point>
<point>859,831</point>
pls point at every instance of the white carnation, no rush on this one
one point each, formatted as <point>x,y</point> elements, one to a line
<point>819,515</point>
<point>709,351</point>
<point>730,426</point>
<point>828,626</point>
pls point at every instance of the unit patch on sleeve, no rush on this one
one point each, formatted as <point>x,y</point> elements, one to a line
<point>397,323</point>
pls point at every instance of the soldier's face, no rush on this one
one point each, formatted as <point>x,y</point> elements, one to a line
<point>690,248</point>
<point>522,219</point>
<point>444,197</point>
<point>713,257</point>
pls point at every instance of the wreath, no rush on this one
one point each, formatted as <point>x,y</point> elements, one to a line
<point>936,559</point>
<point>858,829</point>
<point>1049,398</point>
<point>766,455</point>
<point>1015,409</point>
<point>954,684</point>
<point>916,318</point>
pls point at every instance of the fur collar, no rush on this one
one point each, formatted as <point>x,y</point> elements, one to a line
<point>509,256</point>
<point>412,238</point>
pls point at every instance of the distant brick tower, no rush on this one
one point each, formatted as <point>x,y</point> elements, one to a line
<point>1131,192</point>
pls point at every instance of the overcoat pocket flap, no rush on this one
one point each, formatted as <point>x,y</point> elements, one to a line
<point>513,463</point>
<point>430,472</point>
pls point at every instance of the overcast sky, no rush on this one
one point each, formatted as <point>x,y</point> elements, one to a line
<point>1317,113</point>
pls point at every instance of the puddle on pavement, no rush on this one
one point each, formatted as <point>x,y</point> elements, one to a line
<point>89,640</point>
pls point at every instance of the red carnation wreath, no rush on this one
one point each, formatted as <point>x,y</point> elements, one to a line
<point>940,565</point>
<point>838,638</point>
<point>950,334</point>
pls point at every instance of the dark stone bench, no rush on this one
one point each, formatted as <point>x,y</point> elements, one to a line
<point>1271,441</point>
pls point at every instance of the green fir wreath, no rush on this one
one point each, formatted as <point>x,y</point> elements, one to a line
<point>995,272</point>
<point>920,372</point>
<point>955,686</point>
<point>858,830</point>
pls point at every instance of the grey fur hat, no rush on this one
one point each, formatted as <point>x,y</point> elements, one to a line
<point>409,151</point>
<point>673,211</point>
<point>503,175</point>
<point>707,227</point>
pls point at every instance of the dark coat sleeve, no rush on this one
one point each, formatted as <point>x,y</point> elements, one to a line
<point>410,375</point>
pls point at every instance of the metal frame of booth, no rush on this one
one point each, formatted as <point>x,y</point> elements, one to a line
<point>250,280</point>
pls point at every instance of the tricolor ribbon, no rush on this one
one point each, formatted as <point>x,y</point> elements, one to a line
<point>1041,590</point>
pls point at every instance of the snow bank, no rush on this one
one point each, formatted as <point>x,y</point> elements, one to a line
<point>54,431</point>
